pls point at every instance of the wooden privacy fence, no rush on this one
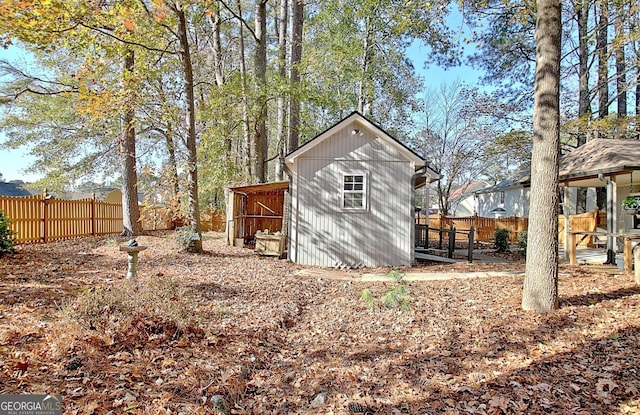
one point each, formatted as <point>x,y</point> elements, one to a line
<point>213,220</point>
<point>39,218</point>
<point>485,228</point>
<point>42,219</point>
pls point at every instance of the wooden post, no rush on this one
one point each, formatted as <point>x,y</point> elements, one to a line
<point>426,236</point>
<point>627,254</point>
<point>452,241</point>
<point>471,235</point>
<point>44,216</point>
<point>93,214</point>
<point>567,221</point>
<point>572,249</point>
<point>636,258</point>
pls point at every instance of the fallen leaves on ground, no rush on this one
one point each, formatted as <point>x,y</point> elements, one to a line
<point>269,341</point>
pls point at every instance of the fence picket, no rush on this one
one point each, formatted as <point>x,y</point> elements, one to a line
<point>485,227</point>
<point>39,219</point>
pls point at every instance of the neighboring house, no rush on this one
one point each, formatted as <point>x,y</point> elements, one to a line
<point>352,191</point>
<point>106,194</point>
<point>13,189</point>
<point>103,194</point>
<point>463,200</point>
<point>508,198</point>
<point>511,198</point>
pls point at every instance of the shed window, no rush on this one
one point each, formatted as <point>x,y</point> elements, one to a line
<point>354,191</point>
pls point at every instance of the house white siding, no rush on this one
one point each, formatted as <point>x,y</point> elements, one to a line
<point>516,201</point>
<point>465,206</point>
<point>325,234</point>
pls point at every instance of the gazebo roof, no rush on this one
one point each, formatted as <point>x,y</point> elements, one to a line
<point>617,159</point>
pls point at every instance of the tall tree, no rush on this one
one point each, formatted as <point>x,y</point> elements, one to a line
<point>634,26</point>
<point>620,58</point>
<point>452,136</point>
<point>603,57</point>
<point>282,26</point>
<point>297,22</point>
<point>260,143</point>
<point>130,209</point>
<point>540,291</point>
<point>191,139</point>
<point>248,141</point>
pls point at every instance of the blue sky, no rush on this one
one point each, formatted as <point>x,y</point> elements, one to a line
<point>13,162</point>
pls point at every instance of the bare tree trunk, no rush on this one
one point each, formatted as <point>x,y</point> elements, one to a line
<point>248,152</point>
<point>130,209</point>
<point>603,54</point>
<point>216,47</point>
<point>260,59</point>
<point>364,102</point>
<point>297,21</point>
<point>621,66</point>
<point>216,23</point>
<point>634,23</point>
<point>192,156</point>
<point>540,291</point>
<point>168,133</point>
<point>584,99</point>
<point>173,165</point>
<point>282,101</point>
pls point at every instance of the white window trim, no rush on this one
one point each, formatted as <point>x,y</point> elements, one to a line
<point>365,191</point>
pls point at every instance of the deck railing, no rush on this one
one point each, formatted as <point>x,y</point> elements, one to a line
<point>485,228</point>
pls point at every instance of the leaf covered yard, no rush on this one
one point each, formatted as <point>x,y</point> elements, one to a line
<point>271,340</point>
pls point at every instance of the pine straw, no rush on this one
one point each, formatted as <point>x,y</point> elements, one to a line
<point>249,328</point>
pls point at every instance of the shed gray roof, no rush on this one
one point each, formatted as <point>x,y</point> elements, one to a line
<point>13,189</point>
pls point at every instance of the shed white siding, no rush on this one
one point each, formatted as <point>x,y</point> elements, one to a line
<point>325,234</point>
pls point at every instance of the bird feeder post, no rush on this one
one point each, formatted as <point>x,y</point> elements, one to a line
<point>132,249</point>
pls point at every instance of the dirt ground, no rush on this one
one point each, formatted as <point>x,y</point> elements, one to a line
<point>271,341</point>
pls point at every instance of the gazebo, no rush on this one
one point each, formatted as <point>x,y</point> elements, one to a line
<point>610,163</point>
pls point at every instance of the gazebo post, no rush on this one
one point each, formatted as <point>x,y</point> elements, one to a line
<point>611,221</point>
<point>565,211</point>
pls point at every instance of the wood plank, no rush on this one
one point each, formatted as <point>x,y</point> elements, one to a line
<point>437,258</point>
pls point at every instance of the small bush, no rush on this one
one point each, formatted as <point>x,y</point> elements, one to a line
<point>186,237</point>
<point>7,237</point>
<point>396,297</point>
<point>502,240</point>
<point>522,242</point>
<point>134,312</point>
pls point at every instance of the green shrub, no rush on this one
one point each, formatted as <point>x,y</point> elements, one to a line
<point>186,237</point>
<point>7,237</point>
<point>522,242</point>
<point>396,297</point>
<point>502,240</point>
